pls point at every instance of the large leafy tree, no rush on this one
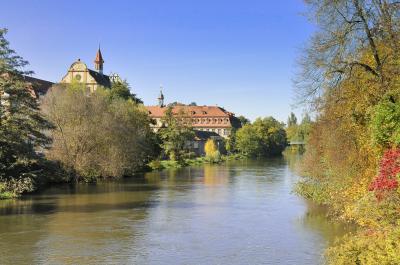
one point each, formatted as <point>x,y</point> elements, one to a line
<point>298,132</point>
<point>264,137</point>
<point>121,89</point>
<point>21,124</point>
<point>292,120</point>
<point>97,137</point>
<point>175,134</point>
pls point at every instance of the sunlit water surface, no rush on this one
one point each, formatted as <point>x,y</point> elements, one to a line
<point>242,212</point>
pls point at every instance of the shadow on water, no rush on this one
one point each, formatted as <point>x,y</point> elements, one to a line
<point>316,219</point>
<point>53,207</point>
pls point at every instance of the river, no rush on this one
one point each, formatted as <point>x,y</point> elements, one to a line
<point>241,212</point>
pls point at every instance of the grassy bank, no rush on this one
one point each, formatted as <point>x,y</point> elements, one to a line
<point>166,164</point>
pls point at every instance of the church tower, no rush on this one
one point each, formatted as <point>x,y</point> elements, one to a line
<point>161,99</point>
<point>98,62</point>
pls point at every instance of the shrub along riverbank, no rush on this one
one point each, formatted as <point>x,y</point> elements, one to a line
<point>166,164</point>
<point>351,80</point>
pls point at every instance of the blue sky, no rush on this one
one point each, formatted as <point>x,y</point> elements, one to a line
<point>240,55</point>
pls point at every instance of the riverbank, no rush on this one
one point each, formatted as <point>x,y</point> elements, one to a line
<point>167,164</point>
<point>155,165</point>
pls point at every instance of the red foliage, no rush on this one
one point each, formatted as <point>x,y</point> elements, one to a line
<point>389,168</point>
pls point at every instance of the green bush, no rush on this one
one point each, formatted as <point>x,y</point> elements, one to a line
<point>264,137</point>
<point>385,123</point>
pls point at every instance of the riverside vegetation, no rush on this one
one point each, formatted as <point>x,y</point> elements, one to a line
<point>73,135</point>
<point>350,79</point>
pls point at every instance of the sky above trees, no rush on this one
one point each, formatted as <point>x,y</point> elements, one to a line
<point>240,55</point>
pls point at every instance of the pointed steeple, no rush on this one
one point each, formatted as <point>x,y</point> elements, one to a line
<point>98,62</point>
<point>161,98</point>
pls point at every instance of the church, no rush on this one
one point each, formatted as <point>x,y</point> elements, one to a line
<point>79,72</point>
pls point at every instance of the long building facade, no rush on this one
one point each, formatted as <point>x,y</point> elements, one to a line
<point>202,118</point>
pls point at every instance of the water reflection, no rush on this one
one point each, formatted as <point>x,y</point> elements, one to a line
<point>242,212</point>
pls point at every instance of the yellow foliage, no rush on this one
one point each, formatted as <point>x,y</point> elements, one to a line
<point>210,148</point>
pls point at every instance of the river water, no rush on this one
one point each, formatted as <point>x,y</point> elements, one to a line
<point>241,212</point>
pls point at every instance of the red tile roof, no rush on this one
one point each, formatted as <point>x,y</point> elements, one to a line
<point>202,116</point>
<point>192,111</point>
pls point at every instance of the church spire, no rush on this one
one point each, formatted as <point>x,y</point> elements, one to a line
<point>98,61</point>
<point>161,98</point>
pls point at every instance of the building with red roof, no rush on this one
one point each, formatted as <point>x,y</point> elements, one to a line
<point>202,118</point>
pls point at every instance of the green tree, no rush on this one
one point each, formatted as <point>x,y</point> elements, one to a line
<point>122,90</point>
<point>247,141</point>
<point>292,120</point>
<point>96,137</point>
<point>21,125</point>
<point>243,120</point>
<point>298,132</point>
<point>292,128</point>
<point>385,122</point>
<point>230,143</point>
<point>304,128</point>
<point>265,137</point>
<point>176,133</point>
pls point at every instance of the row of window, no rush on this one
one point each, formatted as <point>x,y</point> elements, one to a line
<point>219,131</point>
<point>205,120</point>
<point>210,120</point>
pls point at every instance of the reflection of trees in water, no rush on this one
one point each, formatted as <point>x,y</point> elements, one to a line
<point>214,175</point>
<point>316,219</point>
<point>293,159</point>
<point>19,232</point>
<point>75,226</point>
